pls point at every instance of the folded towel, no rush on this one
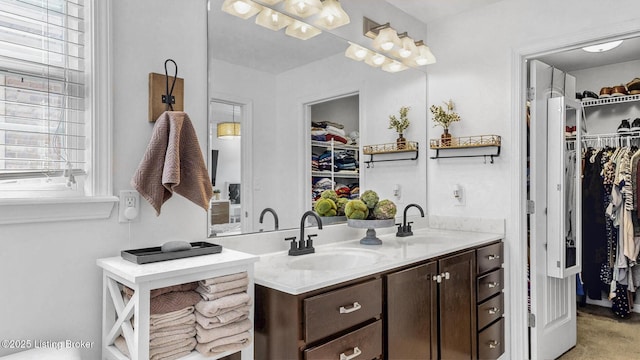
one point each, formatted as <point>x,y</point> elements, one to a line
<point>172,330</point>
<point>207,335</point>
<point>334,130</point>
<point>173,301</point>
<point>159,319</point>
<point>206,295</point>
<point>172,339</point>
<point>173,162</point>
<point>223,304</point>
<point>214,288</point>
<point>165,324</point>
<point>237,314</point>
<point>223,278</point>
<point>232,343</point>
<point>164,290</point>
<point>170,352</point>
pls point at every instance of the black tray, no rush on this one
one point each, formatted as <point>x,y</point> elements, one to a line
<point>155,254</point>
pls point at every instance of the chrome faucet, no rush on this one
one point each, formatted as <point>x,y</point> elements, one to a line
<point>302,246</point>
<point>275,217</point>
<point>404,229</point>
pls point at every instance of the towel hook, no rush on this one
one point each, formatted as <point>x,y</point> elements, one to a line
<point>168,98</point>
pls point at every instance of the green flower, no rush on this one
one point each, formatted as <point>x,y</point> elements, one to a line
<point>443,117</point>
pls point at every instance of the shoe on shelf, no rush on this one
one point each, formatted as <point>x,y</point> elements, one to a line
<point>605,92</point>
<point>635,125</point>
<point>574,131</point>
<point>589,95</point>
<point>624,126</point>
<point>578,96</point>
<point>634,86</point>
<point>569,131</point>
<point>619,90</point>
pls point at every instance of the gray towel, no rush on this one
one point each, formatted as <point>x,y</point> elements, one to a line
<point>230,343</point>
<point>173,162</point>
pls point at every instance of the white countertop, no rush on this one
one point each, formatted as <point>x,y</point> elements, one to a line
<point>281,272</point>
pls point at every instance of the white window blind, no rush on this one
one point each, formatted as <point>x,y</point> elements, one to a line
<point>42,94</point>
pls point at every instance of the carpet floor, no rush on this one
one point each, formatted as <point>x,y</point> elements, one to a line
<point>601,335</point>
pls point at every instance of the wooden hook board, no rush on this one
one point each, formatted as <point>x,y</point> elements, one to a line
<point>157,89</point>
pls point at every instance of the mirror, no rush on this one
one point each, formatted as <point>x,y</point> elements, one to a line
<point>270,83</point>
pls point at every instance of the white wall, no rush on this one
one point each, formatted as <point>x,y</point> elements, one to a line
<point>51,284</point>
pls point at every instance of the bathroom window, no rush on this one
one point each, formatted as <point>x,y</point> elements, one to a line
<point>49,131</point>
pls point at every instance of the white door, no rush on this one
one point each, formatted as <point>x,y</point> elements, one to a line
<point>553,300</point>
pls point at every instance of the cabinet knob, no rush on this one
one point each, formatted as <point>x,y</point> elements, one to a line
<point>446,275</point>
<point>356,353</point>
<point>493,344</point>
<point>493,257</point>
<point>437,278</point>
<point>493,310</point>
<point>355,307</point>
<point>492,285</point>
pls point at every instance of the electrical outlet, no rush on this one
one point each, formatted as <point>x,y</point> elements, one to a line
<point>129,207</point>
<point>458,195</point>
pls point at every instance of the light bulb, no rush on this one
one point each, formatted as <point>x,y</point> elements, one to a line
<point>404,53</point>
<point>361,53</point>
<point>421,61</point>
<point>274,18</point>
<point>386,46</point>
<point>378,59</point>
<point>241,7</point>
<point>302,7</point>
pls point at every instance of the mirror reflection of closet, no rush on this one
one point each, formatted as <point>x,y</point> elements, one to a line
<point>225,127</point>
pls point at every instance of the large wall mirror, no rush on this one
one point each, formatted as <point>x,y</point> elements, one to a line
<point>272,86</point>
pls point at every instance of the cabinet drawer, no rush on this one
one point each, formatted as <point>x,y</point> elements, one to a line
<point>490,284</point>
<point>366,342</point>
<point>489,257</point>
<point>490,310</point>
<point>341,309</point>
<point>491,341</point>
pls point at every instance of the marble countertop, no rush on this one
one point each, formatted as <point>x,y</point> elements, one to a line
<point>337,262</point>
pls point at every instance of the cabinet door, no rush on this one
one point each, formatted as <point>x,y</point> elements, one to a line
<point>412,313</point>
<point>458,306</point>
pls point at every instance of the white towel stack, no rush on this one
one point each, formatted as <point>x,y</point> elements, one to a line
<point>222,317</point>
<point>171,335</point>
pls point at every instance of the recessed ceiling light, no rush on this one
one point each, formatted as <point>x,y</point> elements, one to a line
<point>602,47</point>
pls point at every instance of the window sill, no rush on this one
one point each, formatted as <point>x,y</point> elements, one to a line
<point>20,211</point>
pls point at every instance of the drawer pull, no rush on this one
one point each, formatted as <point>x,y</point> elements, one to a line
<point>493,310</point>
<point>493,344</point>
<point>355,307</point>
<point>493,257</point>
<point>356,353</point>
<point>492,285</point>
<point>446,275</point>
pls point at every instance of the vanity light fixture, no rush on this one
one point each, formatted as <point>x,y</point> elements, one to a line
<point>386,39</point>
<point>425,56</point>
<point>394,66</point>
<point>356,52</point>
<point>301,30</point>
<point>332,15</point>
<point>229,130</point>
<point>272,19</point>
<point>376,60</point>
<point>303,8</point>
<point>243,9</point>
<point>270,2</point>
<point>407,48</point>
<point>602,47</point>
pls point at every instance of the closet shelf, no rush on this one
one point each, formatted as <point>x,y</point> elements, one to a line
<point>345,174</point>
<point>611,100</point>
<point>410,147</point>
<point>476,146</point>
<point>333,144</point>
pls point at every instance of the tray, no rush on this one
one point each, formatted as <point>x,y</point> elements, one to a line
<point>155,254</point>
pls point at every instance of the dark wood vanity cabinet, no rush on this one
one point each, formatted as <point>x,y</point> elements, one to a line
<point>431,308</point>
<point>490,301</point>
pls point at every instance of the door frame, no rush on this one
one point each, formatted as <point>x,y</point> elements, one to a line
<point>518,344</point>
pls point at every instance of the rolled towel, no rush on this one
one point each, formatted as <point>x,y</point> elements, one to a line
<point>207,335</point>
<point>224,278</point>
<point>165,341</point>
<point>218,306</point>
<point>206,322</point>
<point>224,286</point>
<point>186,320</point>
<point>205,295</point>
<point>232,343</point>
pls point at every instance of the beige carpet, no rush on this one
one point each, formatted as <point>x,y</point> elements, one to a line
<point>601,335</point>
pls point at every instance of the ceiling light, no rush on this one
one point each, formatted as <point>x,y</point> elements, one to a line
<point>602,47</point>
<point>272,19</point>
<point>387,39</point>
<point>303,8</point>
<point>228,130</point>
<point>356,52</point>
<point>243,9</point>
<point>302,31</point>
<point>332,15</point>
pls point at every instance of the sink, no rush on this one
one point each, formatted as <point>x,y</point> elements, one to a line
<point>335,259</point>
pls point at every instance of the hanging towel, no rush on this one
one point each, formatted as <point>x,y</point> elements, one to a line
<point>172,163</point>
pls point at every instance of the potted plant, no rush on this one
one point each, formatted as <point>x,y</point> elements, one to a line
<point>216,194</point>
<point>400,125</point>
<point>444,118</point>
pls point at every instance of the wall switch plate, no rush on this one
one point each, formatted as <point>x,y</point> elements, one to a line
<point>129,207</point>
<point>458,195</point>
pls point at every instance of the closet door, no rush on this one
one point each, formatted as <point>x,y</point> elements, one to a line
<point>564,253</point>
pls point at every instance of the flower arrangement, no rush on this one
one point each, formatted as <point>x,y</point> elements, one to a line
<point>400,125</point>
<point>444,117</point>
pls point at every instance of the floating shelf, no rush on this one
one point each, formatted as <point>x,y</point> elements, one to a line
<point>410,147</point>
<point>467,146</point>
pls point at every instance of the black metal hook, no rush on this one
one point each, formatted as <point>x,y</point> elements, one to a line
<point>168,98</point>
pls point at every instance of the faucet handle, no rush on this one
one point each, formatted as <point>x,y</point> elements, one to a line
<point>409,225</point>
<point>293,242</point>
<point>309,244</point>
<point>290,238</point>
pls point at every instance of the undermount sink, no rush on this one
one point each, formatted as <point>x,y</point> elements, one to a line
<point>335,259</point>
